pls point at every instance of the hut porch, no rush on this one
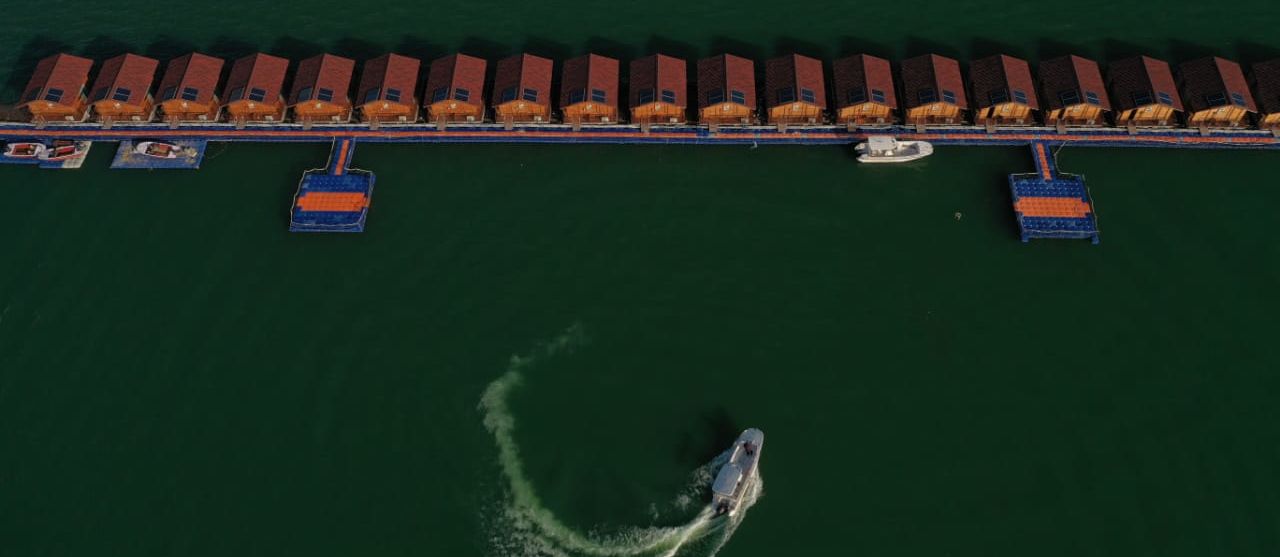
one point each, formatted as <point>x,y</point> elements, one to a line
<point>1077,115</point>
<point>522,111</point>
<point>727,113</point>
<point>866,113</point>
<point>1005,114</point>
<point>934,114</point>
<point>1230,116</point>
<point>796,113</point>
<point>1150,116</point>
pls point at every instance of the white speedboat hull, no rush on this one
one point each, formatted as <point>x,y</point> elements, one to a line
<point>24,150</point>
<point>884,150</point>
<point>736,478</point>
<point>169,151</point>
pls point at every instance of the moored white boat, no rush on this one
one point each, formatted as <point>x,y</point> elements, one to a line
<point>886,149</point>
<point>739,474</point>
<point>158,149</point>
<point>24,150</point>
<point>65,150</point>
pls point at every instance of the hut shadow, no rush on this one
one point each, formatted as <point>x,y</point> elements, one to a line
<point>295,49</point>
<point>1183,50</point>
<point>359,50</point>
<point>693,450</point>
<point>1253,53</point>
<point>622,52</point>
<point>1115,49</point>
<point>485,48</point>
<point>850,46</point>
<point>671,47</point>
<point>36,49</point>
<point>230,49</point>
<point>167,48</point>
<point>420,48</point>
<point>983,47</point>
<point>727,45</point>
<point>792,45</point>
<point>548,48</point>
<point>920,46</point>
<point>103,47</point>
<point>1050,48</point>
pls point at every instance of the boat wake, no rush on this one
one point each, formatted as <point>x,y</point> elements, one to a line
<point>524,527</point>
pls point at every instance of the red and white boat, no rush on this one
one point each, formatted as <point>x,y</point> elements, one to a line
<point>26,150</point>
<point>157,149</point>
<point>64,150</point>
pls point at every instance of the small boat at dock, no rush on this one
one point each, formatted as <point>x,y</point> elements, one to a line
<point>158,149</point>
<point>24,150</point>
<point>736,478</point>
<point>887,149</point>
<point>64,150</point>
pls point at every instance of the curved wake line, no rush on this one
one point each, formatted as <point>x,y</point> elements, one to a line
<point>533,524</point>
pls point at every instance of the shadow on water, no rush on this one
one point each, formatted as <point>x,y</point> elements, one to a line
<point>662,45</point>
<point>359,50</point>
<point>103,47</point>
<point>548,48</point>
<point>167,48</point>
<point>694,450</point>
<point>230,49</point>
<point>1050,48</point>
<point>25,63</point>
<point>727,45</point>
<point>850,46</point>
<point>1251,53</point>
<point>484,48</point>
<point>1115,49</point>
<point>414,46</point>
<point>623,52</point>
<point>982,47</point>
<point>792,45</point>
<point>920,46</point>
<point>1181,50</point>
<point>294,49</point>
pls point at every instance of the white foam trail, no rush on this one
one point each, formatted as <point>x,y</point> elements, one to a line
<point>526,527</point>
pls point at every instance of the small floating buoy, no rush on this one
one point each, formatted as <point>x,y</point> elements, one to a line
<point>959,215</point>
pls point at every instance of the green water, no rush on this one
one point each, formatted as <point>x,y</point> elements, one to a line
<point>181,376</point>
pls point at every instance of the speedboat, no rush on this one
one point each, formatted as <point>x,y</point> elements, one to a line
<point>64,150</point>
<point>25,150</point>
<point>884,148</point>
<point>157,149</point>
<point>739,474</point>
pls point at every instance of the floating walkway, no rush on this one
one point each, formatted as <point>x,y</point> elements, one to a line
<point>335,198</point>
<point>190,158</point>
<point>1050,204</point>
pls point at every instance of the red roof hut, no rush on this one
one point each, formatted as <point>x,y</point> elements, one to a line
<point>1266,85</point>
<point>864,92</point>
<point>122,90</point>
<point>387,86</point>
<point>795,90</point>
<point>254,91</point>
<point>187,88</point>
<point>1004,93</point>
<point>322,89</point>
<point>933,91</point>
<point>56,90</point>
<point>1143,92</point>
<point>659,90</point>
<point>726,90</point>
<point>522,89</point>
<point>1216,93</point>
<point>455,89</point>
<point>1074,94</point>
<point>589,89</point>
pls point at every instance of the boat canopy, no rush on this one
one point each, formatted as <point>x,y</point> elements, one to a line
<point>727,480</point>
<point>882,143</point>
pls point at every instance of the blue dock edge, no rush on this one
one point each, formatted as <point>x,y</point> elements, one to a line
<point>333,199</point>
<point>190,159</point>
<point>1047,183</point>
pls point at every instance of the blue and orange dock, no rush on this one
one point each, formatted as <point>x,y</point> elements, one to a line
<point>1051,204</point>
<point>335,198</point>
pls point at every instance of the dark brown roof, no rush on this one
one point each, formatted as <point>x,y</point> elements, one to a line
<point>323,72</point>
<point>196,74</point>
<point>454,76</point>
<point>858,78</point>
<point>521,72</point>
<point>1210,82</point>
<point>1072,80</point>
<point>390,77</point>
<point>931,77</point>
<point>1142,81</point>
<point>63,74</point>
<point>1266,79</point>
<point>786,79</point>
<point>590,74</point>
<point>254,76</point>
<point>660,73</point>
<point>726,74</point>
<point>1000,79</point>
<point>126,78</point>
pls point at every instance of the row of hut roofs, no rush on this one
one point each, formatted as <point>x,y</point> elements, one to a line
<point>1141,91</point>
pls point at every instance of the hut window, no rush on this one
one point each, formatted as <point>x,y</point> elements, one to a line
<point>1215,99</point>
<point>461,94</point>
<point>1165,98</point>
<point>1020,96</point>
<point>716,96</point>
<point>99,94</point>
<point>440,94</point>
<point>1141,98</point>
<point>236,94</point>
<point>857,96</point>
<point>928,95</point>
<point>304,94</point>
<point>876,95</point>
<point>948,97</point>
<point>785,95</point>
<point>325,95</point>
<point>190,93</point>
<point>807,95</point>
<point>645,96</point>
<point>1069,97</point>
<point>393,95</point>
<point>169,93</point>
<point>1238,99</point>
<point>668,96</point>
<point>530,95</point>
<point>1092,98</point>
<point>372,95</point>
<point>998,97</point>
<point>577,95</point>
<point>738,97</point>
<point>597,95</point>
<point>509,94</point>
<point>257,95</point>
<point>122,94</point>
<point>54,95</point>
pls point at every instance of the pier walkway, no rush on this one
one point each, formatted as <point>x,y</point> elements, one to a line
<point>335,198</point>
<point>1051,204</point>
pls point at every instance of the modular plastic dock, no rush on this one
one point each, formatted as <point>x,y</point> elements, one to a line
<point>190,158</point>
<point>333,199</point>
<point>1050,204</point>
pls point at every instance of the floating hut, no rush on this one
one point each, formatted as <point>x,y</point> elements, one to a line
<point>726,90</point>
<point>522,89</point>
<point>933,91</point>
<point>659,90</point>
<point>455,89</point>
<point>387,85</point>
<point>795,90</point>
<point>187,89</point>
<point>56,89</point>
<point>321,89</point>
<point>254,89</point>
<point>1144,93</point>
<point>122,90</point>
<point>1074,93</point>
<point>1216,93</point>
<point>1266,84</point>
<point>1004,94</point>
<point>864,91</point>
<point>589,90</point>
